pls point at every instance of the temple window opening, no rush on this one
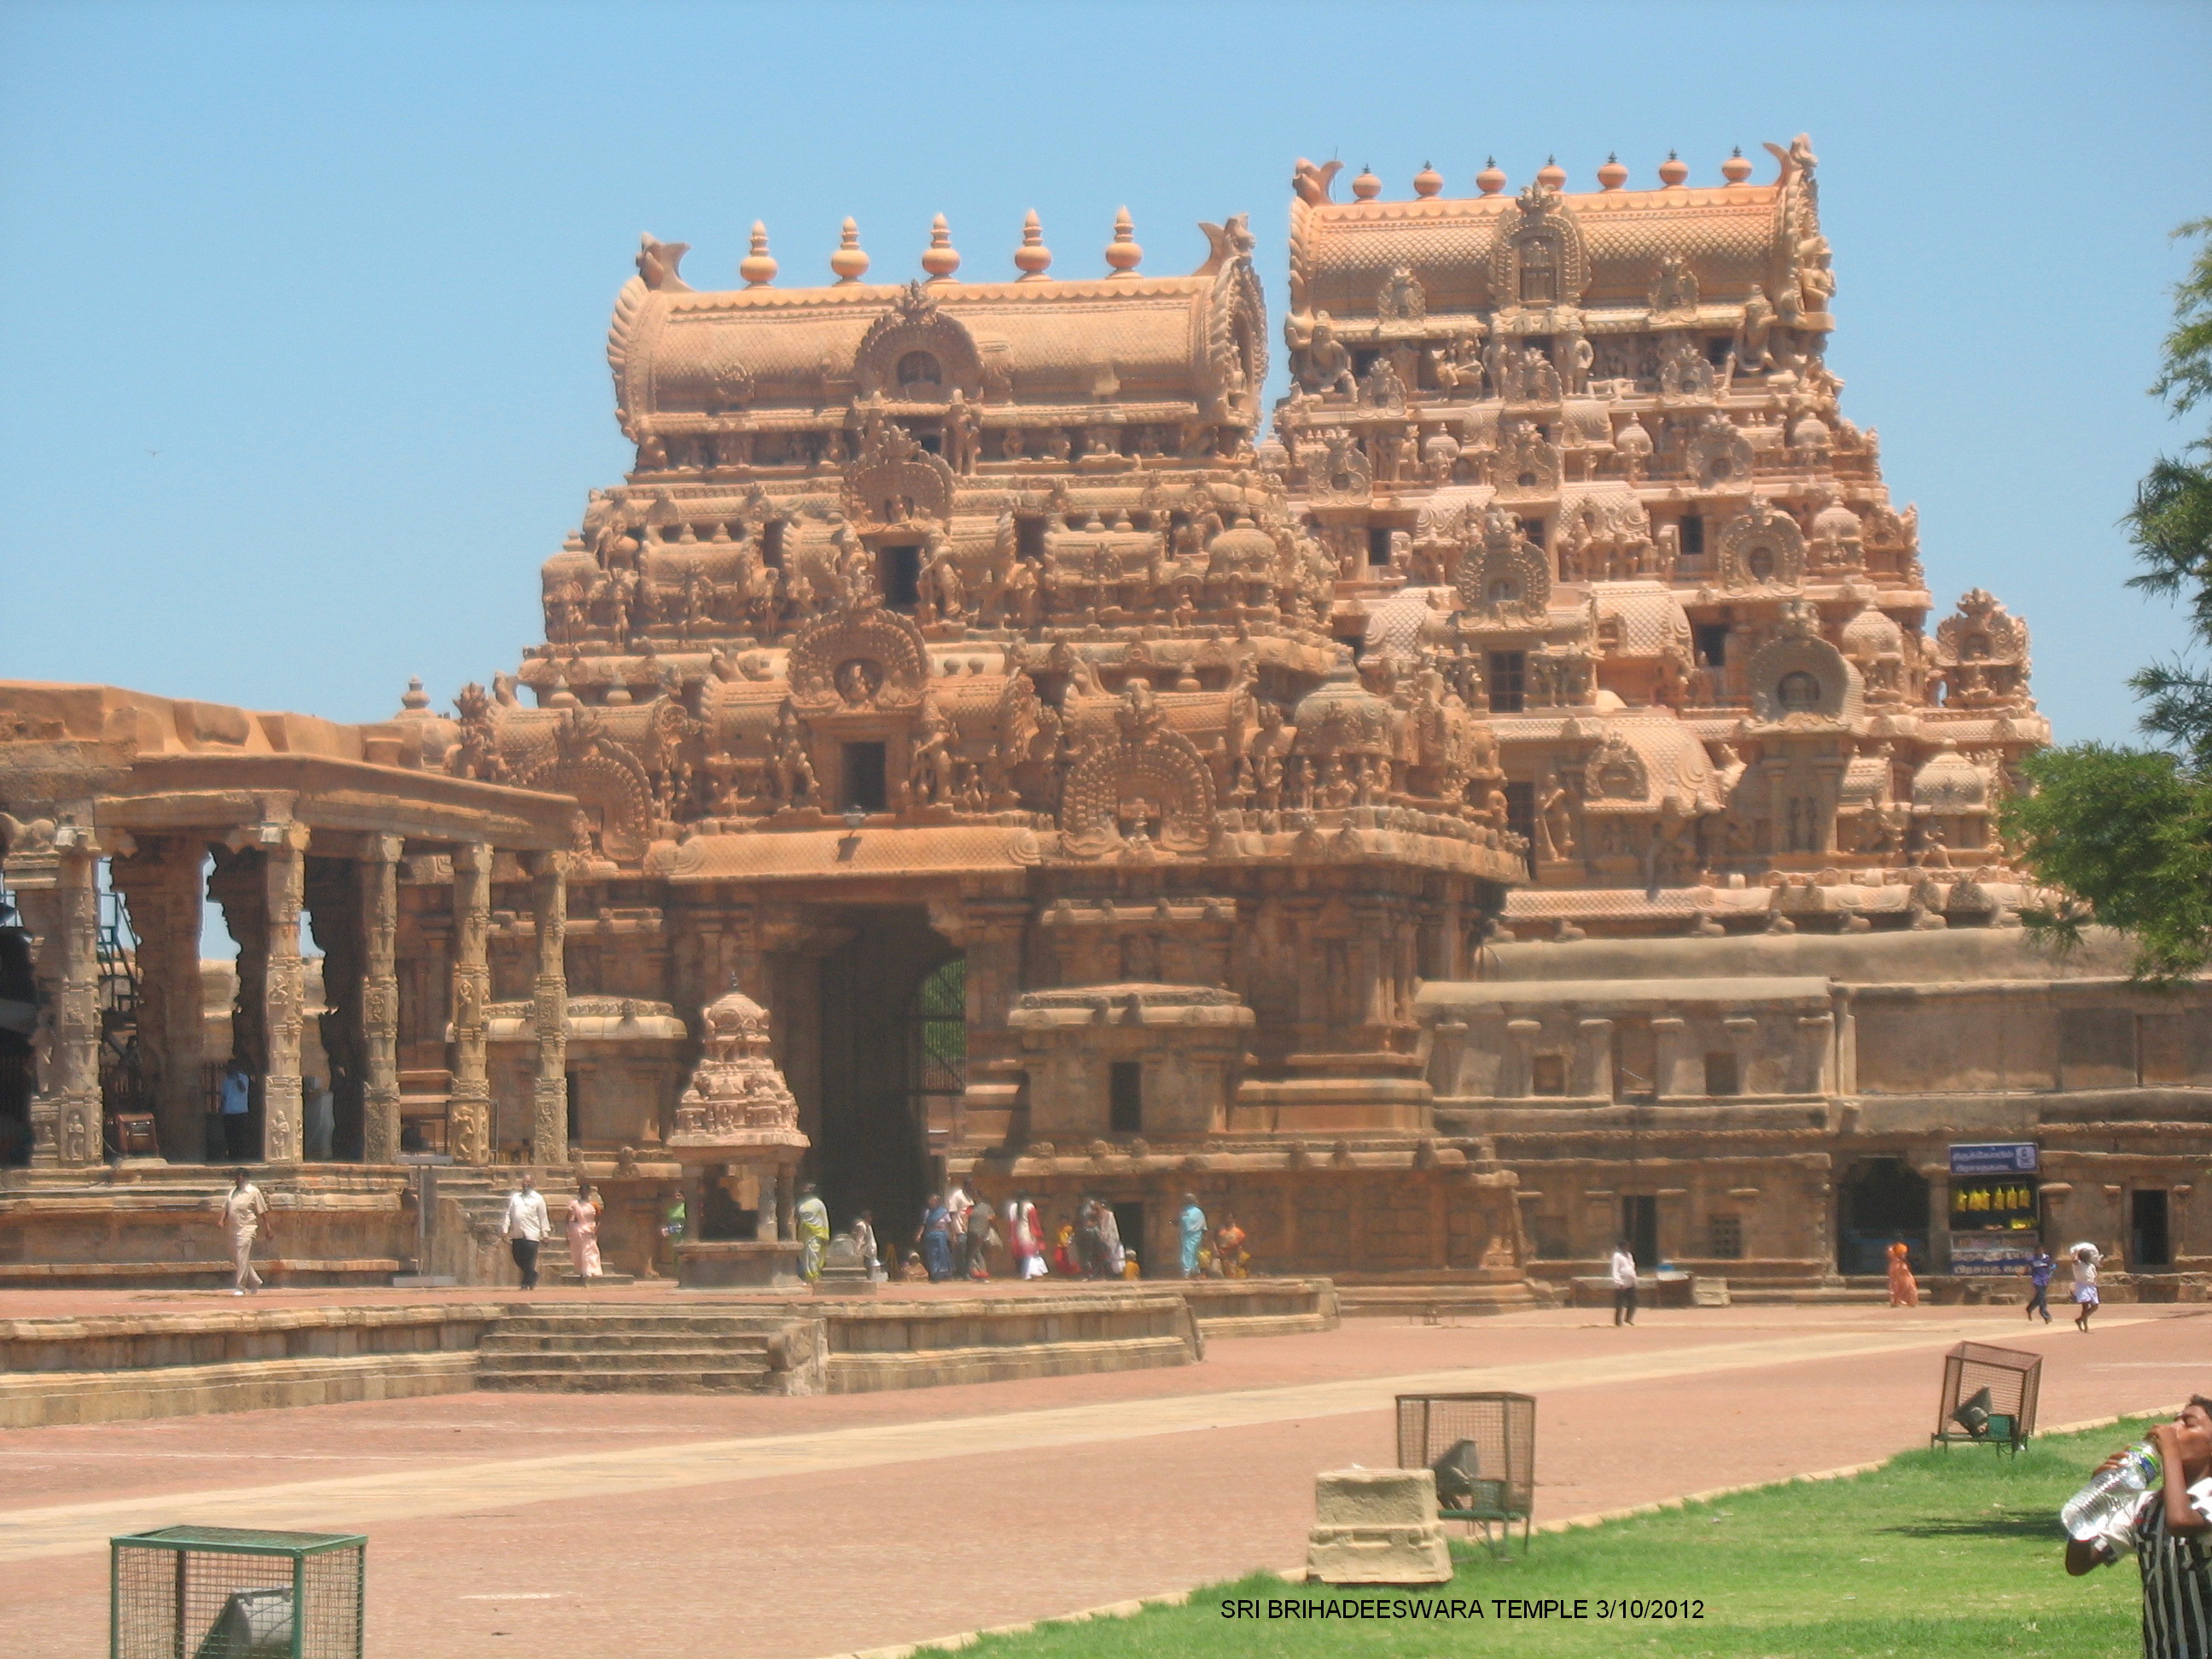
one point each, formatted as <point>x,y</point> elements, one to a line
<point>1797,691</point>
<point>1126,1098</point>
<point>863,785</point>
<point>1509,681</point>
<point>901,577</point>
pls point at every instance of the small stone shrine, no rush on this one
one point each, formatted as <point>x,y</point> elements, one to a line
<point>1376,1527</point>
<point>737,1132</point>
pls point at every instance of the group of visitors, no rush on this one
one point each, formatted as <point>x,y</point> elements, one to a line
<point>527,1226</point>
<point>958,1232</point>
<point>1219,1253</point>
<point>2083,1260</point>
<point>963,1235</point>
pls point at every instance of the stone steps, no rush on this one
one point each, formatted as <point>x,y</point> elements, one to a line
<point>482,1196</point>
<point>725,1381</point>
<point>584,1350</point>
<point>40,1400</point>
<point>662,1361</point>
<point>1770,1296</point>
<point>591,1324</point>
<point>285,1272</point>
<point>618,1347</point>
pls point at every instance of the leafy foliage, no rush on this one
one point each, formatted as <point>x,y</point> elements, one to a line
<point>2128,832</point>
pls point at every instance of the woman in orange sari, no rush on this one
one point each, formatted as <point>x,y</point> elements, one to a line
<point>1903,1289</point>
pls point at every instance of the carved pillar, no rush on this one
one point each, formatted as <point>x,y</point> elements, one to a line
<point>1447,1043</point>
<point>469,1119</point>
<point>378,871</point>
<point>991,932</point>
<point>283,990</point>
<point>549,908</point>
<point>1939,1216</point>
<point>162,886</point>
<point>65,1111</point>
<point>1743,1038</point>
<point>1593,1058</point>
<point>1517,1062</point>
<point>1816,1037</point>
<point>1670,1044</point>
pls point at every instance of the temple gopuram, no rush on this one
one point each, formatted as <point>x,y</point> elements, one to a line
<point>1526,795</point>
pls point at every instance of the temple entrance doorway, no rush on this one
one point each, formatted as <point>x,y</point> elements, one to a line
<point>894,1043</point>
<point>1880,1202</point>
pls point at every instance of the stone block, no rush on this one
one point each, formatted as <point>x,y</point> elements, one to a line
<point>1376,1527</point>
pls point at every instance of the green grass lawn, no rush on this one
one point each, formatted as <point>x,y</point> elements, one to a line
<point>1932,1555</point>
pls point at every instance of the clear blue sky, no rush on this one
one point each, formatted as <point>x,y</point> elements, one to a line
<point>301,307</point>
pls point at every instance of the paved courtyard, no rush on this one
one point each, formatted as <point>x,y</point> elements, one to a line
<point>791,1528</point>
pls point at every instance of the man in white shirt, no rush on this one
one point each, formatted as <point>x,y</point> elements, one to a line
<point>526,1227</point>
<point>1624,1283</point>
<point>242,1208</point>
<point>960,1201</point>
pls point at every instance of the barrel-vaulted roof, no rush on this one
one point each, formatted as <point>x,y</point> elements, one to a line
<point>1694,255</point>
<point>1194,343</point>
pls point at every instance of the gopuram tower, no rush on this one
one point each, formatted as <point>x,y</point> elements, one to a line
<point>960,618</point>
<point>1581,452</point>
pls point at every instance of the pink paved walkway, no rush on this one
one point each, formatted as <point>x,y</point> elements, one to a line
<point>799,1564</point>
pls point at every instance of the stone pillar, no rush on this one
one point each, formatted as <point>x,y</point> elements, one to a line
<point>549,910</point>
<point>283,991</point>
<point>991,932</point>
<point>1517,1062</point>
<point>1939,1216</point>
<point>1593,1058</point>
<point>1743,1037</point>
<point>1447,1043</point>
<point>1669,1053</point>
<point>162,886</point>
<point>65,1111</point>
<point>469,1116</point>
<point>379,999</point>
<point>1816,1035</point>
<point>787,1203</point>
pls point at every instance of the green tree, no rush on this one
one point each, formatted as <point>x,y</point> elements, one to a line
<point>2126,834</point>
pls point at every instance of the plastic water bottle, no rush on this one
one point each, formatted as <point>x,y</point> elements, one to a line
<point>2112,1492</point>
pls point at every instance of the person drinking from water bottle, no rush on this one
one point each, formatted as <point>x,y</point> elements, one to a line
<point>2165,1526</point>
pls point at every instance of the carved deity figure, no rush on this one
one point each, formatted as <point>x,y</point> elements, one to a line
<point>1751,338</point>
<point>930,769</point>
<point>1319,361</point>
<point>793,771</point>
<point>1456,365</point>
<point>940,582</point>
<point>962,433</point>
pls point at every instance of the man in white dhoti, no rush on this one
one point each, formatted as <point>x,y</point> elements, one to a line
<point>243,1207</point>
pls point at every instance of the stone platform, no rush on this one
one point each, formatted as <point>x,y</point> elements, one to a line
<point>95,1357</point>
<point>1467,1292</point>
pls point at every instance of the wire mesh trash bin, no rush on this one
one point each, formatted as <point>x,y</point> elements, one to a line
<point>1989,1397</point>
<point>232,1593</point>
<point>1482,1447</point>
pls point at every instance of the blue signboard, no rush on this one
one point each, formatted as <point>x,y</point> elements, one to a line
<point>1994,1157</point>
<point>1991,1254</point>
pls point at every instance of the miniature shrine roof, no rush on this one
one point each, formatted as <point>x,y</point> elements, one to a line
<point>1126,339</point>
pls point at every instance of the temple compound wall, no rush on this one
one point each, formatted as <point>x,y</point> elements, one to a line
<point>1516,799</point>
